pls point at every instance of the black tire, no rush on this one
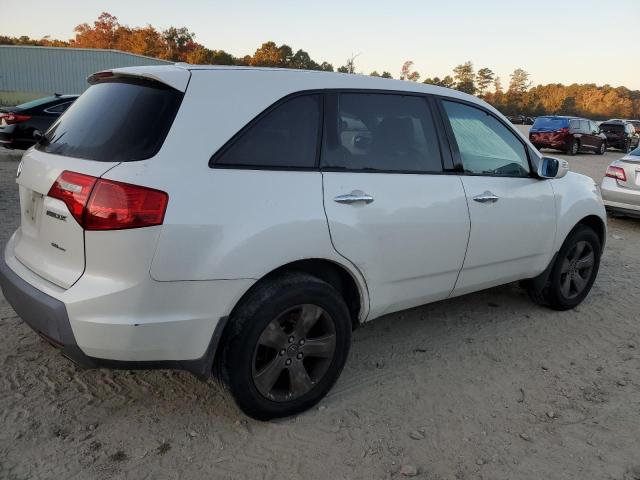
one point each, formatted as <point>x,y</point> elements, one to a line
<point>243,346</point>
<point>626,148</point>
<point>574,148</point>
<point>553,293</point>
<point>601,149</point>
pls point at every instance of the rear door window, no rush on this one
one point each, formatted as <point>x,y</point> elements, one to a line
<point>486,146</point>
<point>285,137</point>
<point>115,121</point>
<point>381,132</point>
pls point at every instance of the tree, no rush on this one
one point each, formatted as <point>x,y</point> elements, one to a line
<point>103,33</point>
<point>178,41</point>
<point>497,85</point>
<point>374,74</point>
<point>407,74</point>
<point>268,55</point>
<point>465,78</point>
<point>519,81</point>
<point>350,65</point>
<point>326,67</point>
<point>484,78</point>
<point>386,74</point>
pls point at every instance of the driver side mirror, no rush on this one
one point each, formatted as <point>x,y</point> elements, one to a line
<point>550,167</point>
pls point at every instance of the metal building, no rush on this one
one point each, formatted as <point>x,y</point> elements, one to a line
<point>56,69</point>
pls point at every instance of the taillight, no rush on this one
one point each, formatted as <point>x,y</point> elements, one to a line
<point>99,204</point>
<point>617,173</point>
<point>115,205</point>
<point>73,189</point>
<point>11,118</point>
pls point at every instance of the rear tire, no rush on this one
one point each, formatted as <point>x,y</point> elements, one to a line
<point>626,148</point>
<point>311,321</point>
<point>601,149</point>
<point>573,273</point>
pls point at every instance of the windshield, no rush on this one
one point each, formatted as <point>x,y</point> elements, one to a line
<point>118,120</point>
<point>636,152</point>
<point>550,123</point>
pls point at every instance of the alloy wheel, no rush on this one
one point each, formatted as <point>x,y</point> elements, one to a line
<point>576,269</point>
<point>293,353</point>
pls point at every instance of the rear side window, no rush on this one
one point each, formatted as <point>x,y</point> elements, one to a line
<point>550,123</point>
<point>60,108</point>
<point>115,121</point>
<point>486,146</point>
<point>285,137</point>
<point>381,132</point>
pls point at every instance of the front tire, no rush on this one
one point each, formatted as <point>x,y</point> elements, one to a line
<point>573,272</point>
<point>602,149</point>
<point>574,148</point>
<point>285,346</point>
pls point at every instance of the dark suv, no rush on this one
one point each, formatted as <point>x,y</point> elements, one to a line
<point>569,134</point>
<point>621,134</point>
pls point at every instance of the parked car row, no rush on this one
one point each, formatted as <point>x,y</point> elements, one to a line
<point>575,134</point>
<point>18,124</point>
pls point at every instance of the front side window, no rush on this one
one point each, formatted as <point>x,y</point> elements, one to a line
<point>381,132</point>
<point>486,146</point>
<point>285,137</point>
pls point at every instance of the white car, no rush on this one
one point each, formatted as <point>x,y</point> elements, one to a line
<point>245,221</point>
<point>621,186</point>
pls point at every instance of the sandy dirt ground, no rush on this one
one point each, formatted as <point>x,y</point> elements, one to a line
<point>486,386</point>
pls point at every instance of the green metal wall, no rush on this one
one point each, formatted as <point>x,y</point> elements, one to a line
<point>61,70</point>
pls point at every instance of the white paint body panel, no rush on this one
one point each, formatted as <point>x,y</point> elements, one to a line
<point>510,239</point>
<point>158,293</point>
<point>409,243</point>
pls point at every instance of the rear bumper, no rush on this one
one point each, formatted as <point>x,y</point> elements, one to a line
<point>43,313</point>
<point>148,325</point>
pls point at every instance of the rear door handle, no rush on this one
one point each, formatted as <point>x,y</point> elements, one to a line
<point>486,197</point>
<point>354,197</point>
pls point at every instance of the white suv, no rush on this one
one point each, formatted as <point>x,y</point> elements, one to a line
<point>245,221</point>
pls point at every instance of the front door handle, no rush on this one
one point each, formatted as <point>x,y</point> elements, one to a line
<point>354,197</point>
<point>486,197</point>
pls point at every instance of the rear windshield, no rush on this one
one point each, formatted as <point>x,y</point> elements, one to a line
<point>612,127</point>
<point>115,121</point>
<point>37,102</point>
<point>550,123</point>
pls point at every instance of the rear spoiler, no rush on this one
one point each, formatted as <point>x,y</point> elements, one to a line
<point>171,75</point>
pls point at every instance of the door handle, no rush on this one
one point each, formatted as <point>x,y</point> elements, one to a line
<point>486,197</point>
<point>354,197</point>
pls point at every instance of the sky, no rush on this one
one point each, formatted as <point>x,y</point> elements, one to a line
<point>556,41</point>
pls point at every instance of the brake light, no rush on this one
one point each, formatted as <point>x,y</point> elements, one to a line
<point>99,204</point>
<point>12,118</point>
<point>617,173</point>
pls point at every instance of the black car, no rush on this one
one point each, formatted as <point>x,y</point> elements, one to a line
<point>17,124</point>
<point>521,120</point>
<point>620,134</point>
